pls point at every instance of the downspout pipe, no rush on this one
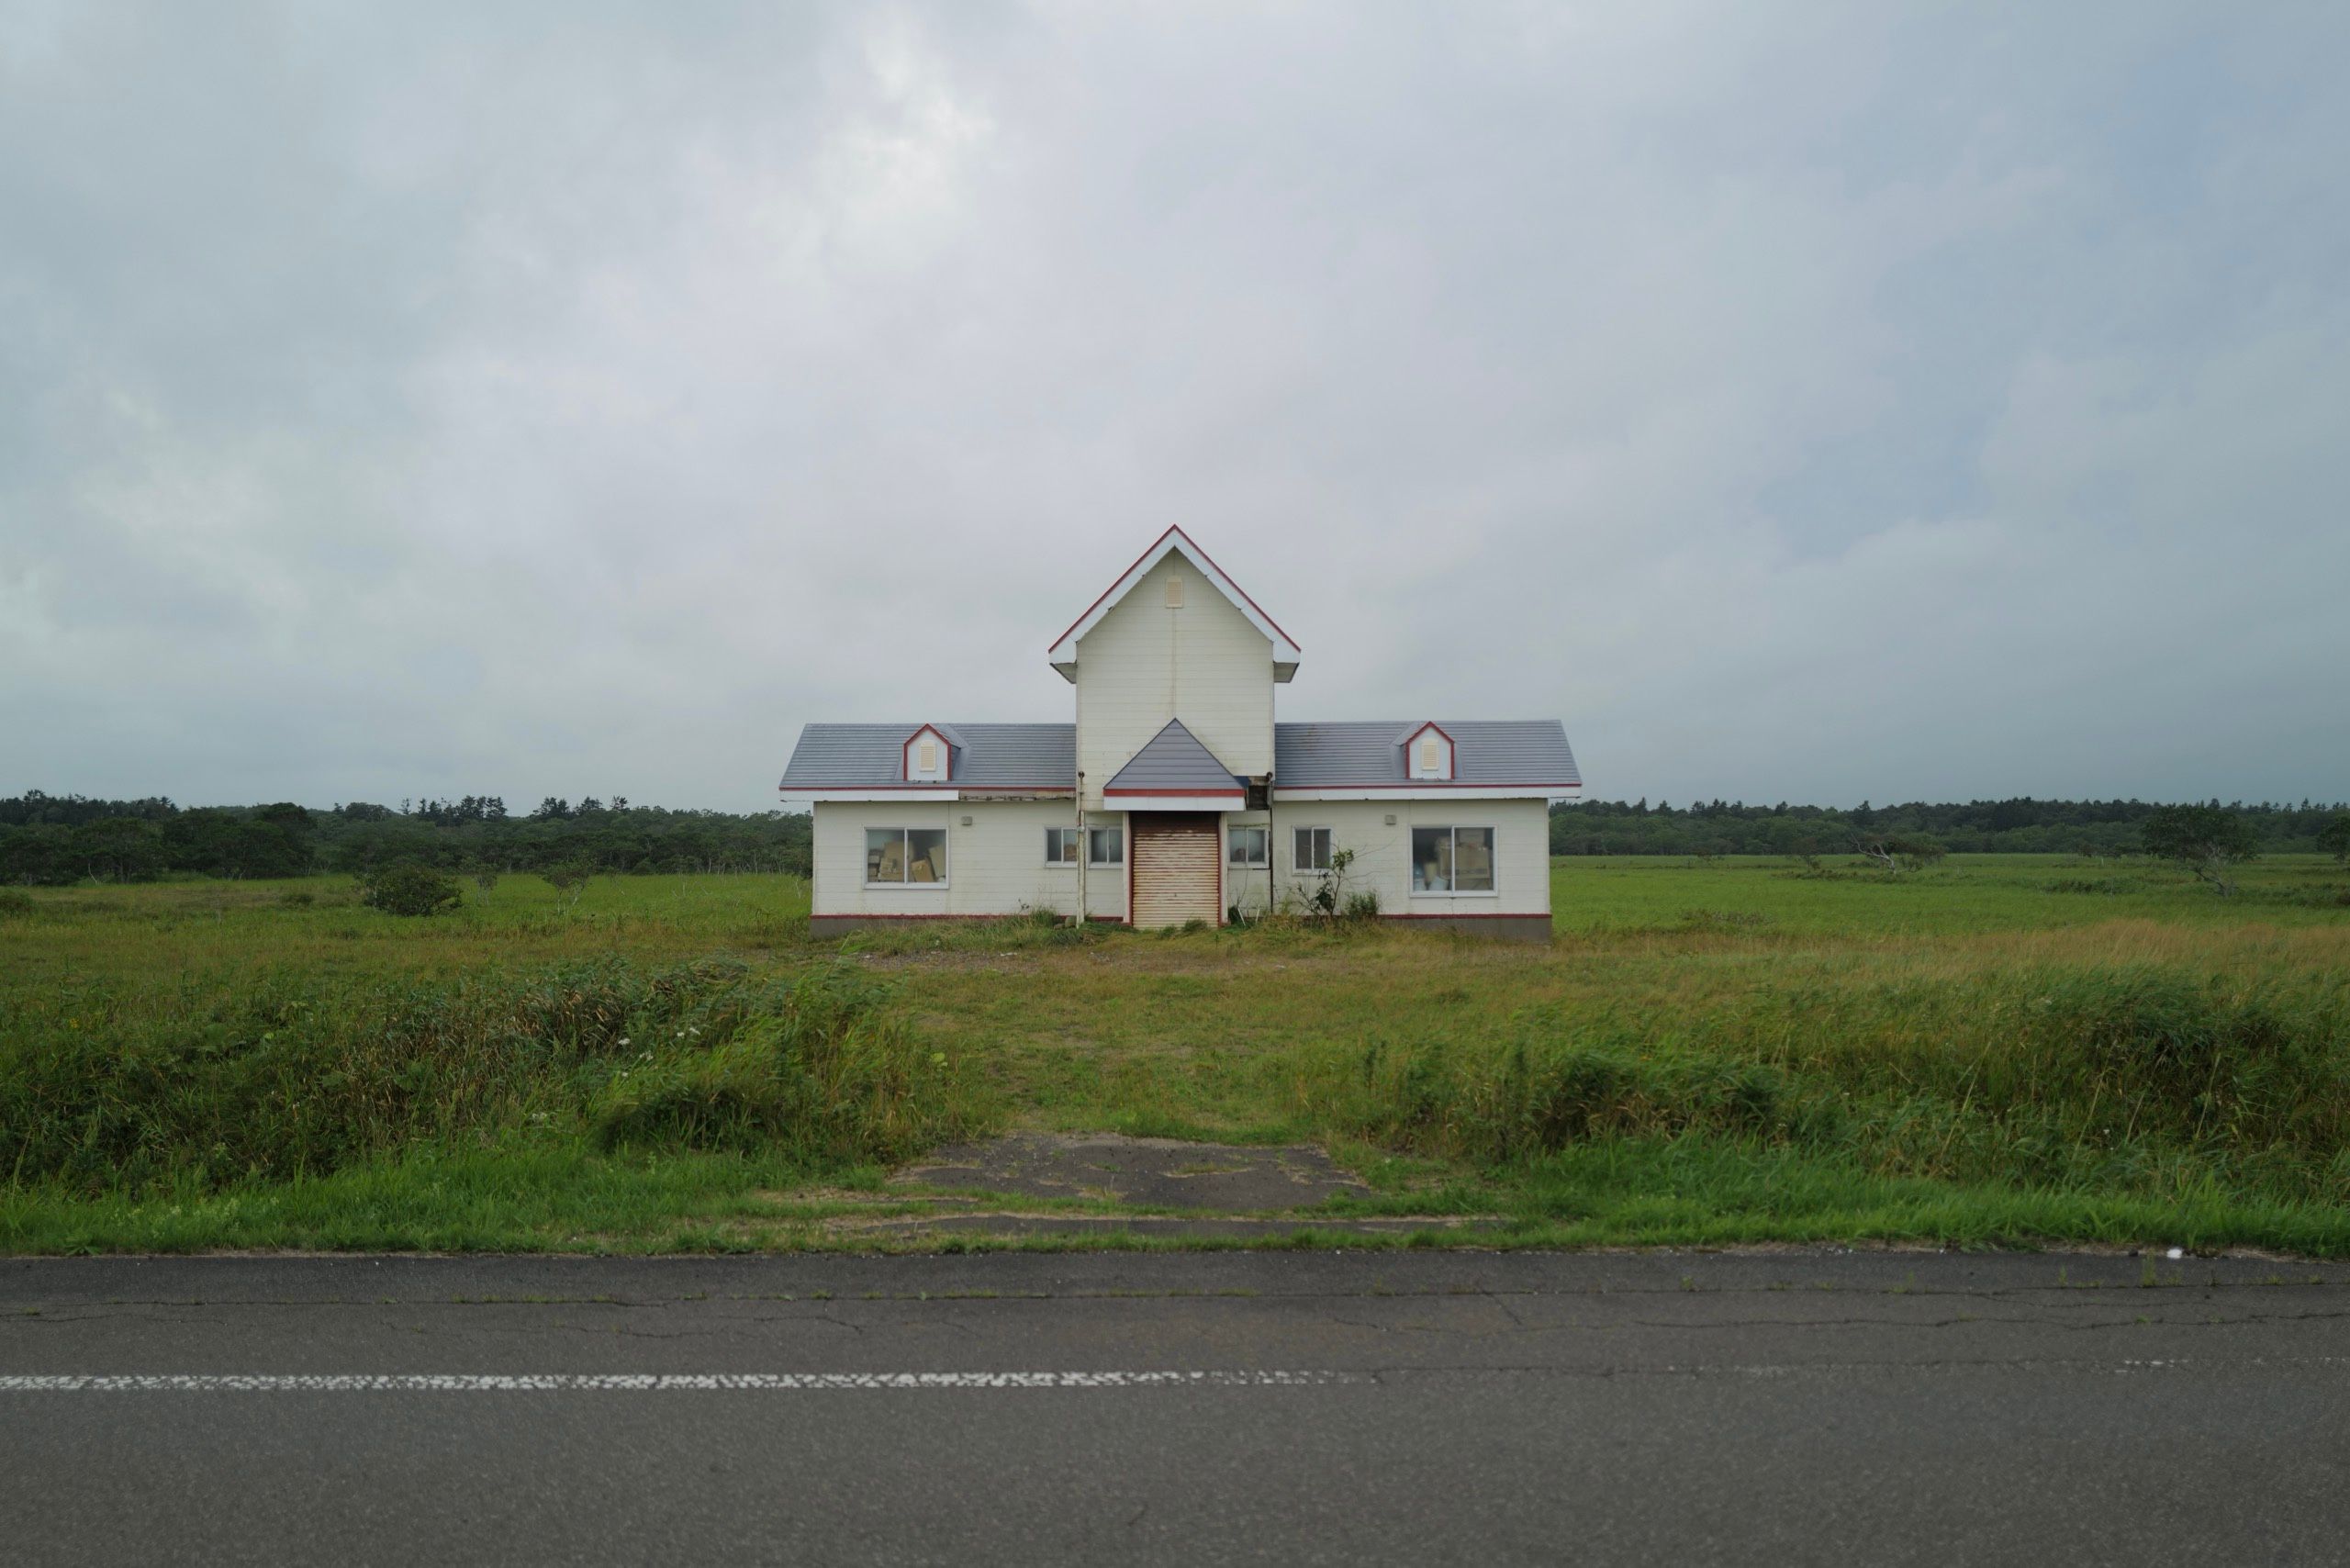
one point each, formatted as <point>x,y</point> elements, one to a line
<point>1084,848</point>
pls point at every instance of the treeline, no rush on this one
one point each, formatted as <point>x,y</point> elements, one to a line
<point>2020,826</point>
<point>59,839</point>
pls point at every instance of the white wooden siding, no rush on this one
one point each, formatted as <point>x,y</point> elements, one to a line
<point>1384,854</point>
<point>1143,664</point>
<point>996,866</point>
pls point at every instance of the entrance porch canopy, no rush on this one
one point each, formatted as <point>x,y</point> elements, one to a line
<point>1174,772</point>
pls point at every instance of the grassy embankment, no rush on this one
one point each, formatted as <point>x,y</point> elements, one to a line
<point>2000,1050</point>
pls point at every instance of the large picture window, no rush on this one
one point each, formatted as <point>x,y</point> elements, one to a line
<point>1452,861</point>
<point>1061,846</point>
<point>1310,848</point>
<point>898,855</point>
<point>1109,845</point>
<point>1248,847</point>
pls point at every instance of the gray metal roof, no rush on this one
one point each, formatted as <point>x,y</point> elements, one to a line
<point>1174,759</point>
<point>987,757</point>
<point>1485,751</point>
<point>1305,756</point>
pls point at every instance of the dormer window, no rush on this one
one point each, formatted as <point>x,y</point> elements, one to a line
<point>1427,754</point>
<point>929,757</point>
<point>929,763</point>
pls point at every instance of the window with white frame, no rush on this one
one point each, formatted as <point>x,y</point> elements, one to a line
<point>1109,845</point>
<point>1062,845</point>
<point>894,855</point>
<point>1248,845</point>
<point>1452,861</point>
<point>1310,848</point>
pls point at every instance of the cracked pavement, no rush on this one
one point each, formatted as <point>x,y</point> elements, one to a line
<point>1793,1406</point>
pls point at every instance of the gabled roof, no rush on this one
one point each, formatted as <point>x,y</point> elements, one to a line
<point>1524,752</point>
<point>1064,650</point>
<point>1174,762</point>
<point>1521,754</point>
<point>992,756</point>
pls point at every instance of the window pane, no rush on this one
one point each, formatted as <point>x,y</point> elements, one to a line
<point>1431,859</point>
<point>1310,849</point>
<point>1108,847</point>
<point>1061,846</point>
<point>926,854</point>
<point>885,854</point>
<point>1247,847</point>
<point>1472,860</point>
<point>930,756</point>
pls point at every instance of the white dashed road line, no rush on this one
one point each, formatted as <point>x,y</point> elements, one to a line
<point>638,1383</point>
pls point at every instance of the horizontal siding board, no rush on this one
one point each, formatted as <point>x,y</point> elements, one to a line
<point>996,866</point>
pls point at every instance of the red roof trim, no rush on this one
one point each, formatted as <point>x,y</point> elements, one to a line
<point>980,791</point>
<point>1280,788</point>
<point>1176,530</point>
<point>1206,794</point>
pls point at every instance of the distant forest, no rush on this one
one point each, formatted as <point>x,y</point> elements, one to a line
<point>59,839</point>
<point>2022,826</point>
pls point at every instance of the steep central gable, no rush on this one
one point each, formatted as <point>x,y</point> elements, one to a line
<point>1173,640</point>
<point>1174,541</point>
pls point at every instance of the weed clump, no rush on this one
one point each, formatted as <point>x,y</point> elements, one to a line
<point>818,1066</point>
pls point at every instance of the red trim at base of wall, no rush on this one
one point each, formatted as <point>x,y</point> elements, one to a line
<point>1472,915</point>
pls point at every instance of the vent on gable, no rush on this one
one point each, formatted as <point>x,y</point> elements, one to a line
<point>1174,590</point>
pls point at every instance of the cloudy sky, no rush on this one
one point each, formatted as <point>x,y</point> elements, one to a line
<point>1814,402</point>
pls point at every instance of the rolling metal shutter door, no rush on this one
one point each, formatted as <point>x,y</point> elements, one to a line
<point>1175,869</point>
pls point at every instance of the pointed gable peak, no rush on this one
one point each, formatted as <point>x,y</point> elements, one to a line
<point>1174,764</point>
<point>1175,542</point>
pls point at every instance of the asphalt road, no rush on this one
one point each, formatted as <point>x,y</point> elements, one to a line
<point>1418,1408</point>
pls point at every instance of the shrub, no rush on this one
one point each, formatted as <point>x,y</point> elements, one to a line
<point>14,902</point>
<point>569,879</point>
<point>408,888</point>
<point>2207,840</point>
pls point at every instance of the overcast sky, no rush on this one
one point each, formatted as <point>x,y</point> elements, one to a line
<point>1813,402</point>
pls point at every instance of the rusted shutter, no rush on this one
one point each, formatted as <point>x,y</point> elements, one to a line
<point>1175,868</point>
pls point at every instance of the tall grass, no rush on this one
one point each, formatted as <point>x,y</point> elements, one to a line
<point>296,1073</point>
<point>2134,1079</point>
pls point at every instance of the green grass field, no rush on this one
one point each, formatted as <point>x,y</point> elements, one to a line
<point>2002,1050</point>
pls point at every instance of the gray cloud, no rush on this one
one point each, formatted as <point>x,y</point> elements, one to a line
<point>1819,403</point>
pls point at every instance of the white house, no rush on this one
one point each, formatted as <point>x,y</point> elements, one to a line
<point>1175,796</point>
